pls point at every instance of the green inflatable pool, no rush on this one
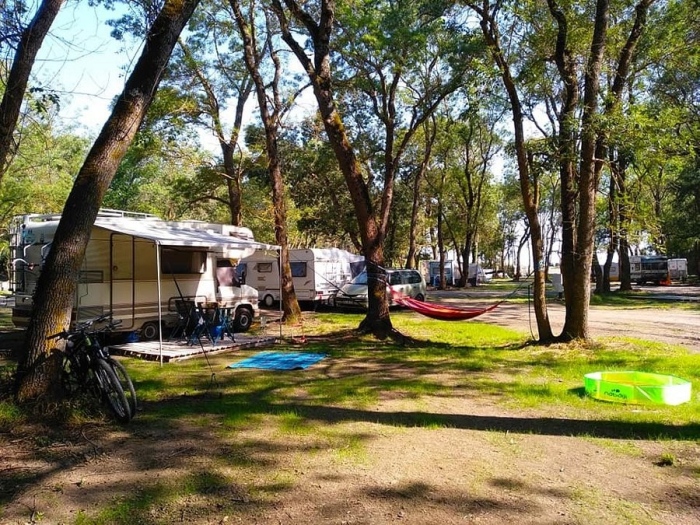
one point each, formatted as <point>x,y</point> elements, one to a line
<point>637,387</point>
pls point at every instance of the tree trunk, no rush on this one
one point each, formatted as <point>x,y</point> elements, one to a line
<point>577,303</point>
<point>606,272</point>
<point>431,132</point>
<point>228,145</point>
<point>233,183</point>
<point>11,105</point>
<point>53,300</point>
<point>441,244</point>
<point>524,238</point>
<point>270,120</point>
<point>566,144</point>
<point>613,228</point>
<point>620,159</point>
<point>594,147</point>
<point>377,320</point>
<point>619,172</point>
<point>598,271</point>
<point>529,190</point>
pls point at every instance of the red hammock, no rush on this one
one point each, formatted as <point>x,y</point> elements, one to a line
<point>440,312</point>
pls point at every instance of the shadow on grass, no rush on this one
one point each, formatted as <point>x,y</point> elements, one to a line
<point>257,404</point>
<point>546,426</point>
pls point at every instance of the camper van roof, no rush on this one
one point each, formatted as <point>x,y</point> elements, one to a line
<point>102,213</point>
<point>169,234</point>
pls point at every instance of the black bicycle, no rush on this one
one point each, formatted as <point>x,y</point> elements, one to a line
<point>88,368</point>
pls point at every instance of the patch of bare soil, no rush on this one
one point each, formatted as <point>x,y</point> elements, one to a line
<point>442,459</point>
<point>678,327</point>
<point>456,458</point>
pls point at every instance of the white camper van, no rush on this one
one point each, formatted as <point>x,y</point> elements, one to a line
<point>138,266</point>
<point>317,273</point>
<point>648,268</point>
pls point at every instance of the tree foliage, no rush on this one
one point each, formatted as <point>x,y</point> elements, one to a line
<point>28,42</point>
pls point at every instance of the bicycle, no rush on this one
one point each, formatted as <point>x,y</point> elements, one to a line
<point>88,367</point>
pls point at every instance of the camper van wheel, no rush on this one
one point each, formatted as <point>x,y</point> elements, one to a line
<point>420,297</point>
<point>268,300</point>
<point>150,331</point>
<point>243,320</point>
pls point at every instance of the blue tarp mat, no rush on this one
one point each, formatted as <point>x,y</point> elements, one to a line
<point>279,361</point>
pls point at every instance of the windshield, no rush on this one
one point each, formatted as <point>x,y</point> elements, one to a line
<point>360,279</point>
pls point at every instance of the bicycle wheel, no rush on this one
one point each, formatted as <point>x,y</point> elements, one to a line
<point>111,390</point>
<point>127,385</point>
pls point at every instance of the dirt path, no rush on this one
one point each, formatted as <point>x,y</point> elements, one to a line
<point>680,327</point>
<point>666,325</point>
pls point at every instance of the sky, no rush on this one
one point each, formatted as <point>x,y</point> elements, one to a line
<point>81,61</point>
<point>84,64</point>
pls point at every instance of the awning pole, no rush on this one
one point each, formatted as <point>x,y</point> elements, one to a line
<point>160,306</point>
<point>279,258</point>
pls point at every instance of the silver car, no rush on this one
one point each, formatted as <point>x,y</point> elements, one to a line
<point>407,282</point>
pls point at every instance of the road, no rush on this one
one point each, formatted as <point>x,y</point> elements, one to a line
<point>674,326</point>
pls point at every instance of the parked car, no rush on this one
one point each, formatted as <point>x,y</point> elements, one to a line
<point>407,282</point>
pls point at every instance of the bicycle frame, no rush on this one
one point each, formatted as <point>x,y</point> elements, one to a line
<point>88,367</point>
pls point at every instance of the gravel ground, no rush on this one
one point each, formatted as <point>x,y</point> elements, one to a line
<point>667,325</point>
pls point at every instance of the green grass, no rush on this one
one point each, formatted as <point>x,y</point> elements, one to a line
<point>639,300</point>
<point>443,359</point>
<point>10,415</point>
<point>6,319</point>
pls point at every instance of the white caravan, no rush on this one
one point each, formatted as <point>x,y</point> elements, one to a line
<point>477,275</point>
<point>317,273</point>
<point>678,269</point>
<point>452,273</point>
<point>138,267</point>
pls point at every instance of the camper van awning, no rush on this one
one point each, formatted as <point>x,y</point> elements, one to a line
<point>166,234</point>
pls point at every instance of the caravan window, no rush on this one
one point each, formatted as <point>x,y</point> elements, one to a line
<point>264,267</point>
<point>91,276</point>
<point>241,271</point>
<point>356,268</point>
<point>183,261</point>
<point>298,269</point>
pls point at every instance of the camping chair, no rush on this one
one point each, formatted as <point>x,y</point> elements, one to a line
<point>208,323</point>
<point>187,319</point>
<point>226,318</point>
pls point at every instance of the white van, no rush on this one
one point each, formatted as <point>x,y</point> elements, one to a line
<point>407,282</point>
